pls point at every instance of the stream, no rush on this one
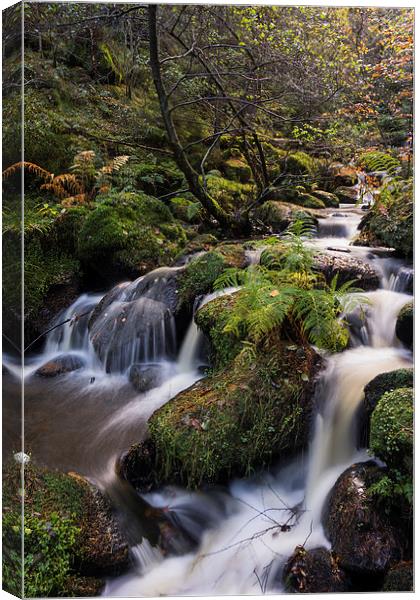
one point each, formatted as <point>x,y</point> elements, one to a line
<point>84,420</point>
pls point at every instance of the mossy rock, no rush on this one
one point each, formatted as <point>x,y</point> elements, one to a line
<point>315,571</point>
<point>237,169</point>
<point>362,536</point>
<point>211,319</point>
<point>185,209</point>
<point>155,177</point>
<point>386,382</point>
<point>279,215</point>
<point>230,195</point>
<point>391,225</point>
<point>129,234</point>
<point>391,435</point>
<point>330,200</point>
<point>231,423</point>
<point>70,531</point>
<point>346,195</point>
<point>201,273</point>
<point>404,328</point>
<point>310,201</point>
<point>300,163</point>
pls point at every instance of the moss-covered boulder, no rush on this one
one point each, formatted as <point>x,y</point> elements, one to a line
<point>400,578</point>
<point>230,423</point>
<point>228,193</point>
<point>186,209</point>
<point>361,534</point>
<point>330,200</point>
<point>404,328</point>
<point>310,201</point>
<point>211,319</point>
<point>391,435</point>
<point>346,195</point>
<point>390,224</point>
<point>386,382</point>
<point>300,163</point>
<point>129,234</point>
<point>315,571</point>
<point>201,273</point>
<point>237,169</point>
<point>70,533</point>
<point>279,215</point>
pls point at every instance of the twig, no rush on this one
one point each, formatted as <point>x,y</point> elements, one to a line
<point>73,318</point>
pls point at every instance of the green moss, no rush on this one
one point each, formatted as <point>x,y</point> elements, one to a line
<point>330,200</point>
<point>301,163</point>
<point>231,195</point>
<point>211,319</point>
<point>186,210</point>
<point>156,177</point>
<point>129,233</point>
<point>199,276</point>
<point>235,421</point>
<point>310,201</point>
<point>391,436</point>
<point>237,169</point>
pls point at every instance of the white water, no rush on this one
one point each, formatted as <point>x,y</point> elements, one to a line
<point>245,551</point>
<point>242,546</point>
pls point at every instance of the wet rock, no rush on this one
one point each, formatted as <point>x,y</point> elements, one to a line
<point>145,377</point>
<point>279,215</point>
<point>238,419</point>
<point>346,195</point>
<point>359,530</point>
<point>64,363</point>
<point>400,578</point>
<point>347,268</point>
<point>404,328</point>
<point>342,175</point>
<point>315,571</point>
<point>135,321</point>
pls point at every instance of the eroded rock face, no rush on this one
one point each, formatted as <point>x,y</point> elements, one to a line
<point>315,571</point>
<point>346,195</point>
<point>404,328</point>
<point>400,578</point>
<point>64,363</point>
<point>347,268</point>
<point>360,533</point>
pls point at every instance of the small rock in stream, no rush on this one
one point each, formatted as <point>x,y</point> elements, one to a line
<point>145,377</point>
<point>315,571</point>
<point>65,363</point>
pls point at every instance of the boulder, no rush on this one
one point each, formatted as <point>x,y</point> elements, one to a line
<point>236,168</point>
<point>347,268</point>
<point>72,537</point>
<point>232,422</point>
<point>145,377</point>
<point>404,328</point>
<point>361,535</point>
<point>391,434</point>
<point>373,391</point>
<point>346,195</point>
<point>330,200</point>
<point>315,571</point>
<point>65,363</point>
<point>279,215</point>
<point>136,321</point>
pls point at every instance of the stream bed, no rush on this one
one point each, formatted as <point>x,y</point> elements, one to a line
<point>84,420</point>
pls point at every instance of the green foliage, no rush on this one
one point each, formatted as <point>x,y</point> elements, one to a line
<point>154,177</point>
<point>379,161</point>
<point>185,209</point>
<point>285,290</point>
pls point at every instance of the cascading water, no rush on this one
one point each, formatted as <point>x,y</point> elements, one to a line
<point>84,420</point>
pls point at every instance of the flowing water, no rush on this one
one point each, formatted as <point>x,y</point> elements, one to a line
<point>84,420</point>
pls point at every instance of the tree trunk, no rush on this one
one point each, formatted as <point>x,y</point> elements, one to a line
<point>226,221</point>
